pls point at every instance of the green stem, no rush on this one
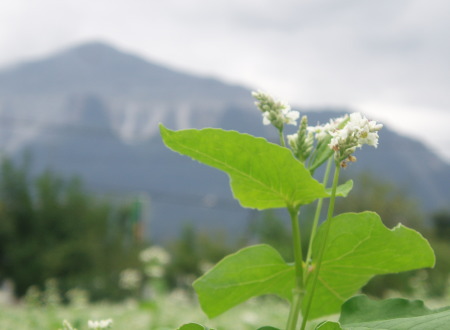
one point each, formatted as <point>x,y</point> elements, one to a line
<point>297,240</point>
<point>322,245</point>
<point>298,256</point>
<point>295,309</point>
<point>283,144</point>
<point>316,218</point>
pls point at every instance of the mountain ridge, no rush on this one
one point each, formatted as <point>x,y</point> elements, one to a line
<point>101,123</point>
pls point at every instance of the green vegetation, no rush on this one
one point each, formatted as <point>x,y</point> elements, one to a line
<point>394,205</point>
<point>50,228</point>
<point>347,250</point>
<point>344,252</point>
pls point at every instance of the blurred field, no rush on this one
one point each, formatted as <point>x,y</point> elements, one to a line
<point>55,237</point>
<point>167,312</point>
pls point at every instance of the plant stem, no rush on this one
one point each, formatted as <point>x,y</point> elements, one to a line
<point>294,312</point>
<point>316,219</point>
<point>322,245</point>
<point>283,144</point>
<point>297,240</point>
<point>297,293</point>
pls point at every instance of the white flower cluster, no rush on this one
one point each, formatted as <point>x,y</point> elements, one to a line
<point>130,279</point>
<point>102,324</point>
<point>275,112</point>
<point>155,258</point>
<point>156,271</point>
<point>357,131</point>
<point>342,135</point>
<point>323,131</point>
<point>302,142</point>
<point>155,253</point>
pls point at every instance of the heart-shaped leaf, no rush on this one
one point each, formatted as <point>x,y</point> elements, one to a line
<point>396,313</point>
<point>193,326</point>
<point>250,272</point>
<point>263,175</point>
<point>358,247</point>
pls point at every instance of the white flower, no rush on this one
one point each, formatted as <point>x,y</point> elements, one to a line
<point>155,254</point>
<point>154,271</point>
<point>102,324</point>
<point>292,139</point>
<point>323,131</point>
<point>266,120</point>
<point>130,279</point>
<point>357,132</point>
<point>290,116</point>
<point>275,112</point>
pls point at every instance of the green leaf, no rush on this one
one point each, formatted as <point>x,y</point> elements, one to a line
<point>362,309</point>
<point>358,247</point>
<point>250,272</point>
<point>268,328</point>
<point>263,175</point>
<point>328,325</point>
<point>397,313</point>
<point>343,189</point>
<point>193,326</point>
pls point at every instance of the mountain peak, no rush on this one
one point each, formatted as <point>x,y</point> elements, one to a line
<point>92,46</point>
<point>98,68</point>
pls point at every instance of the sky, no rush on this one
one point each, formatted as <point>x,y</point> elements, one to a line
<point>389,59</point>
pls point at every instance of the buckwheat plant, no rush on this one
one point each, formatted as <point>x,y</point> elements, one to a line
<point>345,251</point>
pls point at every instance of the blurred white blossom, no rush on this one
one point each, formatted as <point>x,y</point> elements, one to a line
<point>275,112</point>
<point>154,271</point>
<point>155,254</point>
<point>130,279</point>
<point>101,324</point>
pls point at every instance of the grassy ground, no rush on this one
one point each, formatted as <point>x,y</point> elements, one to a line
<point>166,312</point>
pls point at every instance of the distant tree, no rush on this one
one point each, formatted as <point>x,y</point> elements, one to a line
<point>268,227</point>
<point>50,228</point>
<point>193,252</point>
<point>392,203</point>
<point>439,277</point>
<point>441,222</point>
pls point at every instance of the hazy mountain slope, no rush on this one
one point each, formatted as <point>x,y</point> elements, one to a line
<point>93,111</point>
<point>137,94</point>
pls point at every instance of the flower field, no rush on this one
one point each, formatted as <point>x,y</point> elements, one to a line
<point>166,312</point>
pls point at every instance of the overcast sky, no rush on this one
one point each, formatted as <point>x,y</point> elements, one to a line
<point>387,58</point>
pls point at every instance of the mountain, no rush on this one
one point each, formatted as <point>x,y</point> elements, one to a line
<point>137,94</point>
<point>93,111</point>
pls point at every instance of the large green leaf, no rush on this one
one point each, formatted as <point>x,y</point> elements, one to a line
<point>263,175</point>
<point>397,313</point>
<point>250,272</point>
<point>193,326</point>
<point>359,246</point>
